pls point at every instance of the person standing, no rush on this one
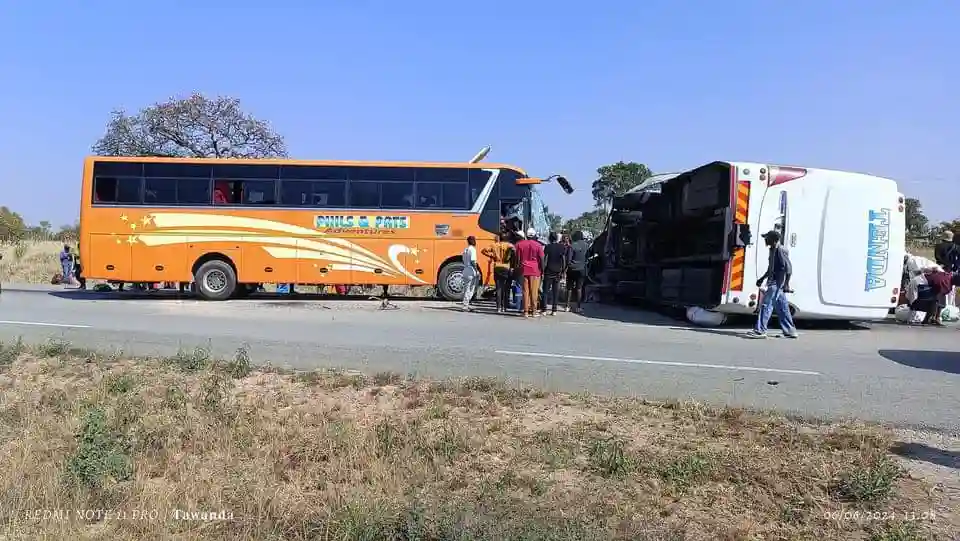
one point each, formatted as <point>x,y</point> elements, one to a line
<point>78,269</point>
<point>471,272</point>
<point>554,268</point>
<point>777,280</point>
<point>66,265</point>
<point>947,254</point>
<point>530,265</point>
<point>576,271</point>
<point>501,254</point>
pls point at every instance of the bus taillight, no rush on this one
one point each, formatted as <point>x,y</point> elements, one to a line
<point>780,175</point>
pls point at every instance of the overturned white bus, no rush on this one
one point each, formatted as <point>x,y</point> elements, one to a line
<point>693,239</point>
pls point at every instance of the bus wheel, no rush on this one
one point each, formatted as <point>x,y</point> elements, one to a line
<point>450,282</point>
<point>216,280</point>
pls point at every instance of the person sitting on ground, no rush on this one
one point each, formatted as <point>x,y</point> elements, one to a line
<point>941,283</point>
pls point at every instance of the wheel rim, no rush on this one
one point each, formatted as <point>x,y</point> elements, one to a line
<point>455,282</point>
<point>215,281</point>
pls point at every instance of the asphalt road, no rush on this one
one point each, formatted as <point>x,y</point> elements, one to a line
<point>889,373</point>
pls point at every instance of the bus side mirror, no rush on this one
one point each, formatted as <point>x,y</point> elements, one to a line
<point>565,185</point>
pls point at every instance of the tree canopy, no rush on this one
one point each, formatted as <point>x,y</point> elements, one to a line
<point>615,179</point>
<point>917,223</point>
<point>192,127</point>
<point>591,221</point>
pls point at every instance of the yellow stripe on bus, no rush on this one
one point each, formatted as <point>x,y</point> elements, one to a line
<point>737,268</point>
<point>741,213</point>
<point>743,202</point>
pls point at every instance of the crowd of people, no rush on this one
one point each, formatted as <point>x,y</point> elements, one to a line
<point>931,290</point>
<point>529,275</point>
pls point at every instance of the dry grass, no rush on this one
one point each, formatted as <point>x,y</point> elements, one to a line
<point>29,261</point>
<point>332,455</point>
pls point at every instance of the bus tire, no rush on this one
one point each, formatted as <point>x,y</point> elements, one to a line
<point>450,282</point>
<point>215,280</point>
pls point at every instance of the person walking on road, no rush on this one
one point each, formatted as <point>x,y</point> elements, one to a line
<point>554,268</point>
<point>501,254</point>
<point>777,280</point>
<point>471,272</point>
<point>530,262</point>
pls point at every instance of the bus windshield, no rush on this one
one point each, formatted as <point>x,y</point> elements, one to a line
<point>538,214</point>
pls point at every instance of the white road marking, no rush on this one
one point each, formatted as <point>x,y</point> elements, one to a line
<point>42,324</point>
<point>661,363</point>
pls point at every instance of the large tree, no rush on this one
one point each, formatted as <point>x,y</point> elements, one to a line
<point>917,222</point>
<point>615,179</point>
<point>194,127</point>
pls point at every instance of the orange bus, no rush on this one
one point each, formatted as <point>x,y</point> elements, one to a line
<point>229,224</point>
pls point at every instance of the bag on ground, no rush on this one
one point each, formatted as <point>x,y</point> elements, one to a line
<point>705,318</point>
<point>904,314</point>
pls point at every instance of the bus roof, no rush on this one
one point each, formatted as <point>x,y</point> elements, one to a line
<point>291,161</point>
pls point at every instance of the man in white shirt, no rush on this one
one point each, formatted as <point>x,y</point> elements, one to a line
<point>471,271</point>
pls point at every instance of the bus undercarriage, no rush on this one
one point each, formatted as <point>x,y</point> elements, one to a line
<point>667,242</point>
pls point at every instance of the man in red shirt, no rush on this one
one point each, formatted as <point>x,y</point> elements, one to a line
<point>530,260</point>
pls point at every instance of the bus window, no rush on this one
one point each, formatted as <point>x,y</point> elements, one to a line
<point>321,193</point>
<point>396,195</point>
<point>455,196</point>
<point>124,190</point>
<point>780,225</point>
<point>364,194</point>
<point>429,195</point>
<point>478,180</point>
<point>259,192</point>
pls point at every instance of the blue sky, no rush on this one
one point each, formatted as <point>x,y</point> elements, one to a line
<point>554,87</point>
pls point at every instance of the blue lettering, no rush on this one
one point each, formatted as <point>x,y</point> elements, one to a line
<point>332,222</point>
<point>362,222</point>
<point>878,249</point>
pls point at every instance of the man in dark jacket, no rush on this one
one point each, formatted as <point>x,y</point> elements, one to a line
<point>777,278</point>
<point>554,267</point>
<point>945,253</point>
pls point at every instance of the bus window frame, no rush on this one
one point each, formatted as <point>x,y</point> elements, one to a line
<point>497,182</point>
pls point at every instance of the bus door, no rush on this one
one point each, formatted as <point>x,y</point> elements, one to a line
<point>515,214</point>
